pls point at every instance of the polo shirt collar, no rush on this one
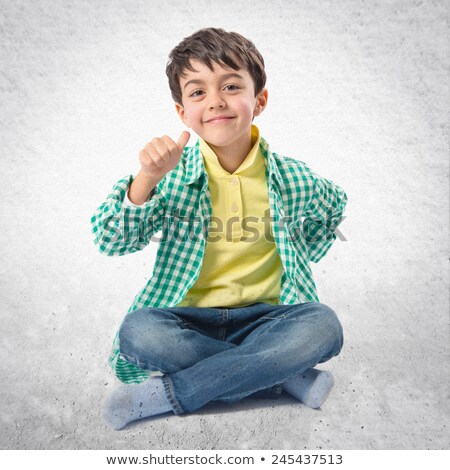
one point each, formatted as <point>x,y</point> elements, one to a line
<point>211,160</point>
<point>194,166</point>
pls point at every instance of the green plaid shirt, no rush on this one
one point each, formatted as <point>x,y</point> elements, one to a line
<point>305,210</point>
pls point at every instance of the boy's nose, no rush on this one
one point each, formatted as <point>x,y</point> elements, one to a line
<point>216,101</point>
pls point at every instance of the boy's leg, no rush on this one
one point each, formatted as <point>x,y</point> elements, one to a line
<point>131,402</point>
<point>157,339</point>
<point>277,346</point>
<point>173,339</point>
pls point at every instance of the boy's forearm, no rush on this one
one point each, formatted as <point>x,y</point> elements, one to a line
<point>140,188</point>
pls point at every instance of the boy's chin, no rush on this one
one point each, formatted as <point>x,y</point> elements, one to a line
<point>216,142</point>
<point>220,140</point>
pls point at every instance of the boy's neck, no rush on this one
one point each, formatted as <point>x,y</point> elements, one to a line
<point>232,156</point>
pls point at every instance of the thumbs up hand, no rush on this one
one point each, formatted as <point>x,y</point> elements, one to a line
<point>162,155</point>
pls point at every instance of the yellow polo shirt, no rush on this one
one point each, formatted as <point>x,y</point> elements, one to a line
<point>241,264</point>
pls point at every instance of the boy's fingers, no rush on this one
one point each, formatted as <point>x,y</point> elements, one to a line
<point>171,146</point>
<point>183,139</point>
<point>164,147</point>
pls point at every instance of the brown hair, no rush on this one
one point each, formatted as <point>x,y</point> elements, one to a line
<point>214,45</point>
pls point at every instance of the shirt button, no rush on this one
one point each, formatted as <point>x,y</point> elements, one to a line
<point>234,207</point>
<point>234,182</point>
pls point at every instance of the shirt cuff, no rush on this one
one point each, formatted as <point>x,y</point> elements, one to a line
<point>127,202</point>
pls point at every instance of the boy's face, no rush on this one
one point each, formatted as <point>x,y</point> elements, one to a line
<point>223,92</point>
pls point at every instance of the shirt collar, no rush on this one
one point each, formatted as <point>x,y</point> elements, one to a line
<point>213,166</point>
<point>194,166</point>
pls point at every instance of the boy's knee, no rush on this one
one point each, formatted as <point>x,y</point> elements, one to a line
<point>137,329</point>
<point>140,341</point>
<point>328,313</point>
<point>329,322</point>
<point>133,321</point>
<point>330,318</point>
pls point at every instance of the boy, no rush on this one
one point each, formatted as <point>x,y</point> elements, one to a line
<point>231,309</point>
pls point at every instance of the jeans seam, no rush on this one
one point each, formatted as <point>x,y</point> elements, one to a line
<point>168,388</point>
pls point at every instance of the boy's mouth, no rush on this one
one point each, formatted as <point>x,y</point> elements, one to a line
<point>219,119</point>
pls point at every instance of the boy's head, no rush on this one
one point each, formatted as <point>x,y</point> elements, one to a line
<point>212,74</point>
<point>210,45</point>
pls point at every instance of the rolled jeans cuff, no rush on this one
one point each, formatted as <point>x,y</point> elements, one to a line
<point>168,388</point>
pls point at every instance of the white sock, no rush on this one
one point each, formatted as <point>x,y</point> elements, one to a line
<point>312,387</point>
<point>136,401</point>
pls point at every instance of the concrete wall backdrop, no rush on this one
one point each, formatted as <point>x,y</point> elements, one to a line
<point>359,90</point>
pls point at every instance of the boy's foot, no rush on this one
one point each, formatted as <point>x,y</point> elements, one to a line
<point>132,402</point>
<point>312,387</point>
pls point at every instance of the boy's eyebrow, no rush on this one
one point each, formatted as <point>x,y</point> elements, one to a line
<point>223,77</point>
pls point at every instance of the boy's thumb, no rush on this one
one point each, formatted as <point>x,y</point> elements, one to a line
<point>183,139</point>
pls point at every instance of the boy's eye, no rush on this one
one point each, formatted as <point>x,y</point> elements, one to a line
<point>196,93</point>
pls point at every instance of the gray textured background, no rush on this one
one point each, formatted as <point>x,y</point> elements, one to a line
<point>359,90</point>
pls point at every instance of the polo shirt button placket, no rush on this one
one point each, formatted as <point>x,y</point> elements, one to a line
<point>235,193</point>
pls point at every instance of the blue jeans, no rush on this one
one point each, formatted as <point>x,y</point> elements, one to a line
<point>226,354</point>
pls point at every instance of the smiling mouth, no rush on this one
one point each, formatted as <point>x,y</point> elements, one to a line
<point>219,120</point>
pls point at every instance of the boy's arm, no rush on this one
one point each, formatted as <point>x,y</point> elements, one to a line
<point>119,227</point>
<point>125,223</point>
<point>322,215</point>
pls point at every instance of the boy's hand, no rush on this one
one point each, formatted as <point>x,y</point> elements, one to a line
<point>161,155</point>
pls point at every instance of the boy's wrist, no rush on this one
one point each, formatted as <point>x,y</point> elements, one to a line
<point>141,188</point>
<point>150,179</point>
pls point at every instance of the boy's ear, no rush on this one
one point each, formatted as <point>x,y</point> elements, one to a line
<point>261,102</point>
<point>180,110</point>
